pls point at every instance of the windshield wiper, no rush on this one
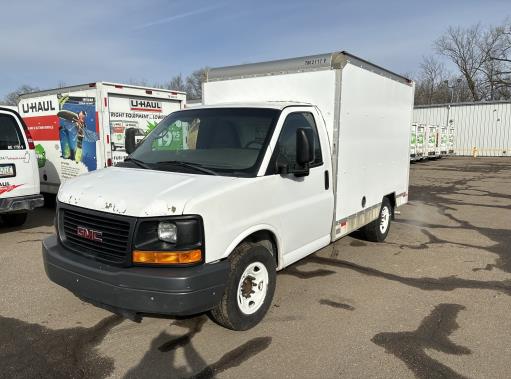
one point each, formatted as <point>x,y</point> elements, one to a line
<point>138,162</point>
<point>193,166</point>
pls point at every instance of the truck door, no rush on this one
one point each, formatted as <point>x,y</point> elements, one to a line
<point>306,202</point>
<point>18,170</point>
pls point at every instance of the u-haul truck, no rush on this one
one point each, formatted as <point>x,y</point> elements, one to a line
<point>82,128</point>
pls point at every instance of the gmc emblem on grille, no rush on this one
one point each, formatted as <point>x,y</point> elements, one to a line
<point>89,234</point>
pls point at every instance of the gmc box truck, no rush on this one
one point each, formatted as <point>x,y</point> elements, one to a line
<point>81,128</point>
<point>282,159</point>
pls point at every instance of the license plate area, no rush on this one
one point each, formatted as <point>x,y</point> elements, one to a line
<point>7,170</point>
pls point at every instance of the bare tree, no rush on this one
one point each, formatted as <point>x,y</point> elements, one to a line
<point>463,47</point>
<point>177,83</point>
<point>194,83</point>
<point>501,57</point>
<point>12,98</point>
<point>430,82</point>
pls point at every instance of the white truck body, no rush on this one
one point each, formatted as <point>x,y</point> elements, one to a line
<point>367,114</point>
<point>361,116</point>
<point>108,109</point>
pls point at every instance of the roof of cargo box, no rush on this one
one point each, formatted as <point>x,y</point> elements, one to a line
<point>328,61</point>
<point>263,104</point>
<point>81,87</point>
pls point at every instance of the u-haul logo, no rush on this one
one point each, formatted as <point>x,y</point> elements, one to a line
<point>145,105</point>
<point>38,106</point>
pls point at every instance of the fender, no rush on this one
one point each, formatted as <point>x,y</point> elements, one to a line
<point>251,230</point>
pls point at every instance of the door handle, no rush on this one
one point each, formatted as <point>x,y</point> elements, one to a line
<point>327,180</point>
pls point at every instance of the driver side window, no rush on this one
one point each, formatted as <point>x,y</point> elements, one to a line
<point>285,152</point>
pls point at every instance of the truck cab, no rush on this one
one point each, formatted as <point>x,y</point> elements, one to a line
<point>19,178</point>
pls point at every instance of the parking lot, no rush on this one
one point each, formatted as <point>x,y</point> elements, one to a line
<point>431,302</point>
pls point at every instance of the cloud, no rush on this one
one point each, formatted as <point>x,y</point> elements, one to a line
<point>179,16</point>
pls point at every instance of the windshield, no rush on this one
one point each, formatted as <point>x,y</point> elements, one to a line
<point>221,141</point>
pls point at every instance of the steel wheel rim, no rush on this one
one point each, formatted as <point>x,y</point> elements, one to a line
<point>384,219</point>
<point>252,288</point>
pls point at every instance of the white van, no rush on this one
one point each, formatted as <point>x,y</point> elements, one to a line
<point>282,159</point>
<point>19,179</point>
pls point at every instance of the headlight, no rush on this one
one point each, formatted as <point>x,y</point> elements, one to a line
<point>167,232</point>
<point>169,241</point>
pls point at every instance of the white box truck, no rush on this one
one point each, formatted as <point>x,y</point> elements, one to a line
<point>82,128</point>
<point>282,159</point>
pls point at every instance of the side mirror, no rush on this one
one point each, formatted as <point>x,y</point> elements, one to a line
<point>133,137</point>
<point>304,147</point>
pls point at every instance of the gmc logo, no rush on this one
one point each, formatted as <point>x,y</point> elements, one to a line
<point>89,234</point>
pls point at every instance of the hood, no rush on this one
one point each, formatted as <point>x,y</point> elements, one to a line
<point>138,192</point>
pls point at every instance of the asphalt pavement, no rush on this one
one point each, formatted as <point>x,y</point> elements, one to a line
<point>433,301</point>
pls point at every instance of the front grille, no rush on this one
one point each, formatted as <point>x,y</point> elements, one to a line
<point>113,245</point>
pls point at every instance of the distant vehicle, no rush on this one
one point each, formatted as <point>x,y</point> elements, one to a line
<point>432,148</point>
<point>420,148</point>
<point>82,128</point>
<point>19,179</point>
<point>282,159</point>
<point>443,141</point>
<point>451,139</point>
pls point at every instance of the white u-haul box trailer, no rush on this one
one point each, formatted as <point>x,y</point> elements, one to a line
<point>421,145</point>
<point>450,141</point>
<point>282,159</point>
<point>413,142</point>
<point>82,128</point>
<point>432,149</point>
<point>443,141</point>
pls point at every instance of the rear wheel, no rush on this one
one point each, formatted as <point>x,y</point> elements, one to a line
<point>14,219</point>
<point>378,230</point>
<point>250,287</point>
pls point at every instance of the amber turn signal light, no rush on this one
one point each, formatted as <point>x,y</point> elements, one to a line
<point>167,257</point>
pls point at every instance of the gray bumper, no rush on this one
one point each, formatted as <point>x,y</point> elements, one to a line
<point>21,203</point>
<point>136,290</point>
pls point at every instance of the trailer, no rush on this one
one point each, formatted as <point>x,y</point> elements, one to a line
<point>432,149</point>
<point>420,149</point>
<point>450,141</point>
<point>443,141</point>
<point>413,142</point>
<point>82,128</point>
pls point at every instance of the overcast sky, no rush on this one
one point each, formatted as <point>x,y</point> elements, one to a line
<point>43,43</point>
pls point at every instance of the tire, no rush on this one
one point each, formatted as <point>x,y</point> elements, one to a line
<point>378,230</point>
<point>14,219</point>
<point>249,308</point>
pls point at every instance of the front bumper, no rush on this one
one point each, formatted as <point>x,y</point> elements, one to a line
<point>136,290</point>
<point>21,203</point>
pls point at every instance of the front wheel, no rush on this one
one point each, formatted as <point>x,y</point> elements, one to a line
<point>250,288</point>
<point>378,230</point>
